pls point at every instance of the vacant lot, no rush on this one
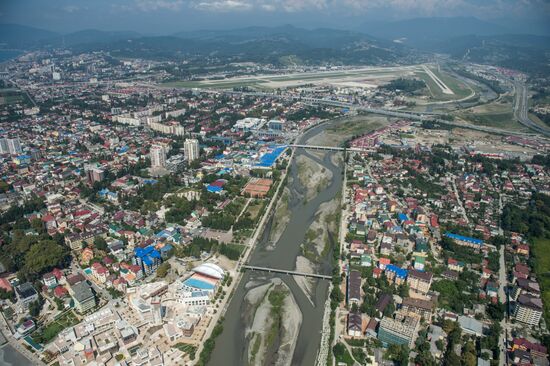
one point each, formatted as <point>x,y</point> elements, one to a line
<point>348,127</point>
<point>495,114</point>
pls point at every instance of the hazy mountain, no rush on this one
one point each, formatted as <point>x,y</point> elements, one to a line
<point>261,44</point>
<point>21,36</point>
<point>425,32</point>
<point>516,51</point>
<point>321,37</point>
<point>95,36</point>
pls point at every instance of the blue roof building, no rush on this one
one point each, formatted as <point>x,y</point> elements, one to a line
<point>147,258</point>
<point>268,159</point>
<point>398,271</point>
<point>402,217</point>
<point>465,240</point>
<point>214,189</point>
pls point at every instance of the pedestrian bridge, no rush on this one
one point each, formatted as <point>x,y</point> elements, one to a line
<point>288,272</point>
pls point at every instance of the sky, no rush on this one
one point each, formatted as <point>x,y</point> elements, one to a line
<point>170,16</point>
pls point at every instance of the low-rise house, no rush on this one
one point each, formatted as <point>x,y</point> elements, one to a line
<point>419,281</point>
<point>355,324</point>
<point>420,307</point>
<point>470,325</point>
<point>49,280</point>
<point>354,287</point>
<point>26,294</point>
<point>455,265</point>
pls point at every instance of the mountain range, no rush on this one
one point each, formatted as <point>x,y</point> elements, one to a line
<point>373,43</point>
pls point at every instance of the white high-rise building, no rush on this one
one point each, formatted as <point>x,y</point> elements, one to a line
<point>4,146</point>
<point>191,148</point>
<point>14,146</point>
<point>158,156</point>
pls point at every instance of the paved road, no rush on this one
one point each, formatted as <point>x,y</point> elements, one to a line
<point>459,201</point>
<point>521,110</point>
<point>503,283</point>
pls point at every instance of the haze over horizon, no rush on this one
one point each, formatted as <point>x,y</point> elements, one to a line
<point>168,16</point>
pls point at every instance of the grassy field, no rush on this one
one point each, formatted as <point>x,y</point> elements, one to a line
<point>496,114</point>
<point>459,88</point>
<point>354,126</point>
<point>240,248</point>
<point>499,120</point>
<point>537,120</point>
<point>187,348</point>
<point>343,355</point>
<point>541,252</point>
<point>10,96</point>
<point>254,209</point>
<point>434,90</point>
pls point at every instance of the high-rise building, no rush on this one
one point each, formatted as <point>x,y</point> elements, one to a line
<point>95,174</point>
<point>158,156</point>
<point>14,146</point>
<point>4,146</point>
<point>400,330</point>
<point>191,148</point>
<point>528,309</point>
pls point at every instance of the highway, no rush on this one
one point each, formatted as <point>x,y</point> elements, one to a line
<point>521,108</point>
<point>413,116</point>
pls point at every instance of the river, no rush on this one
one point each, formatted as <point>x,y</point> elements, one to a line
<point>9,356</point>
<point>231,345</point>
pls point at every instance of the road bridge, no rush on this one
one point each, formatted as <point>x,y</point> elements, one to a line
<point>288,272</point>
<point>330,148</point>
<point>316,147</point>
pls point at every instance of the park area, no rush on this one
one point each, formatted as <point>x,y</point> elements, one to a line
<point>45,334</point>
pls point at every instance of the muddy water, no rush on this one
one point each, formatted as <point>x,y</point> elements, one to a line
<point>231,345</point>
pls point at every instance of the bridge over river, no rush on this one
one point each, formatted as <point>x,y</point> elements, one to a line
<point>285,271</point>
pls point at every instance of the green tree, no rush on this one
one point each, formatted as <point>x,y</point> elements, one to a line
<point>42,257</point>
<point>100,243</point>
<point>163,270</point>
<point>35,307</point>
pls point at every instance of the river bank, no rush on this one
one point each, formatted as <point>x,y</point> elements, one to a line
<point>243,340</point>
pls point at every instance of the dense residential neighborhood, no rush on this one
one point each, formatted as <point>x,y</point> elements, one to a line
<point>323,222</point>
<point>428,230</point>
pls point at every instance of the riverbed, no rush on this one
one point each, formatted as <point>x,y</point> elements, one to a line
<point>233,346</point>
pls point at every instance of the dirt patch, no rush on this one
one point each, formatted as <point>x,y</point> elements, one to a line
<point>281,218</point>
<point>312,176</point>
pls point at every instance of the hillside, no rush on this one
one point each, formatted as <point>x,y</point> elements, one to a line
<point>262,44</point>
<point>526,53</point>
<point>423,33</point>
